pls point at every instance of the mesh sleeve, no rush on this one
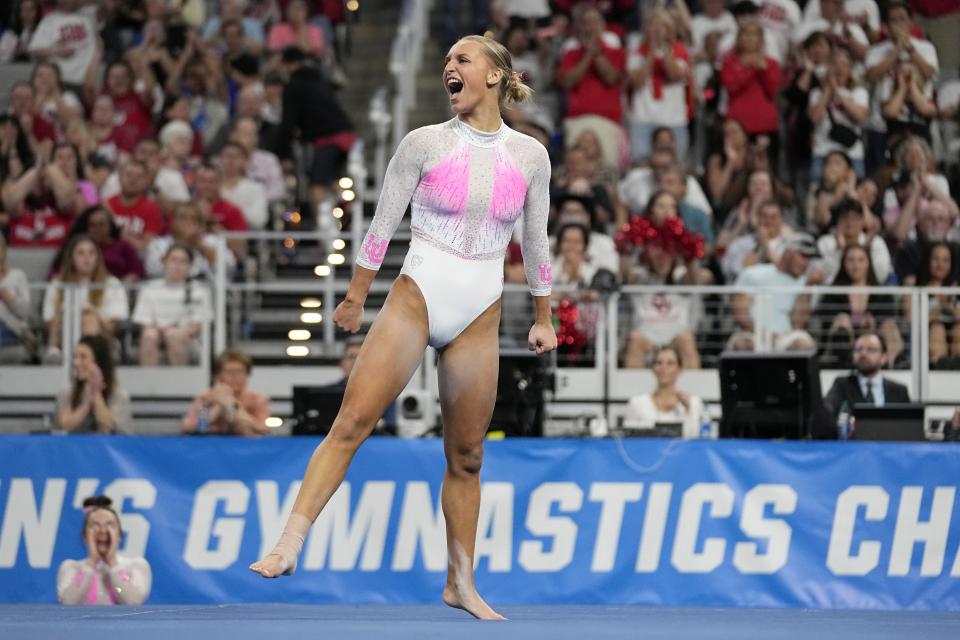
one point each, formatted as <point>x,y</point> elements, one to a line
<point>535,246</point>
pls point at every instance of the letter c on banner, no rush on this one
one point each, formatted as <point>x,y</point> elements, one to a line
<point>841,559</point>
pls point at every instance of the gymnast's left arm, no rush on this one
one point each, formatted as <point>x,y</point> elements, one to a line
<point>536,254</point>
<point>131,579</point>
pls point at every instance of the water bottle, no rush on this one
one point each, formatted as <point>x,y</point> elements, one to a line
<point>706,426</point>
<point>203,418</point>
<point>843,422</point>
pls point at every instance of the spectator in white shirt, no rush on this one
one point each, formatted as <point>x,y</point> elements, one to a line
<point>844,33</point>
<point>659,73</point>
<point>187,228</point>
<point>837,111</point>
<point>103,298</point>
<point>171,310</point>
<point>68,36</point>
<point>263,166</point>
<point>240,190</point>
<point>666,404</point>
<point>864,13</point>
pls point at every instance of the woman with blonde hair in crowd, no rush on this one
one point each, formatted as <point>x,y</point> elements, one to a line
<point>667,404</point>
<point>14,305</point>
<point>103,298</point>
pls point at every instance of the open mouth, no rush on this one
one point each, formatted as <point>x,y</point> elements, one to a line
<point>454,87</point>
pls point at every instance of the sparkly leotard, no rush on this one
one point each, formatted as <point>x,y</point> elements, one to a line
<point>466,189</point>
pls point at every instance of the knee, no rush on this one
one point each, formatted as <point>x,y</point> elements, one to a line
<point>464,459</point>
<point>685,342</point>
<point>349,430</point>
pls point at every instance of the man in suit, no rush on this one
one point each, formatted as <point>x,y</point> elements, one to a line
<point>864,385</point>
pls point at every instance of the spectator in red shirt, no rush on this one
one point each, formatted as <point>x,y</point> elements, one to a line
<point>140,217</point>
<point>131,104</point>
<point>752,80</point>
<point>220,214</point>
<point>43,199</point>
<point>592,72</point>
<point>23,105</point>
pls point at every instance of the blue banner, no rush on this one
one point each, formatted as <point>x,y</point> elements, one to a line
<point>705,523</point>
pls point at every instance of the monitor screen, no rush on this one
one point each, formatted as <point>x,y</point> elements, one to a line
<point>902,422</point>
<point>769,395</point>
<point>314,409</point>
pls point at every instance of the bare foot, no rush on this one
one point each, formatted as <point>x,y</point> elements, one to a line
<point>274,565</point>
<point>470,602</point>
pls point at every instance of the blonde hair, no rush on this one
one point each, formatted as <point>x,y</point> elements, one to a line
<point>664,17</point>
<point>512,88</point>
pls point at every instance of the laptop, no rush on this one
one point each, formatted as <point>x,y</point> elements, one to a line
<point>899,422</point>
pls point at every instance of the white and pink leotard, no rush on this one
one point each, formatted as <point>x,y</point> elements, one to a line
<point>466,189</point>
<point>127,582</point>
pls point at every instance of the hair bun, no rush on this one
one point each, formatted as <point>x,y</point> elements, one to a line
<point>97,501</point>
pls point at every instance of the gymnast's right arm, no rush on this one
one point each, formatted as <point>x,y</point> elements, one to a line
<point>399,183</point>
<point>73,581</point>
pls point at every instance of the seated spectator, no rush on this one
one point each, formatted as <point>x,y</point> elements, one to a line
<point>120,257</point>
<point>674,181</point>
<point>741,222</point>
<point>727,166</point>
<point>576,209</point>
<point>262,166</point>
<point>786,312</point>
<point>67,159</point>
<point>296,31</point>
<point>58,105</point>
<point>163,185</point>
<point>578,174</point>
<point>887,65</point>
<point>658,78</point>
<point>251,103</point>
<point>863,13</point>
<point>916,183</point>
<point>747,12</point>
<point>849,228</point>
<point>177,108</point>
<point>16,153</point>
<point>235,187</point>
<point>229,407</point>
<point>231,11</point>
<point>751,79</point>
<point>766,244</point>
<point>188,228</point>
<point>104,576</point>
<point>837,110</point>
<point>844,316</point>
<point>571,264</point>
<point>103,130</point>
<point>709,27</point>
<point>76,54</point>
<point>933,225</point>
<point>219,214</point>
<point>41,202</point>
<point>666,404</point>
<point>176,138</point>
<point>846,34</point>
<point>171,311</point>
<point>94,402</point>
<point>15,41</point>
<point>591,73</point>
<point>837,182</point>
<point>14,310</point>
<point>23,107</point>
<point>864,385</point>
<point>103,298</point>
<point>810,74</point>
<point>130,85</point>
<point>638,185</point>
<point>140,218</point>
<point>944,334</point>
<point>199,75</point>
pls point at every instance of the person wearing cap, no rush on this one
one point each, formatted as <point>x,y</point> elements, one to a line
<point>848,229</point>
<point>786,312</point>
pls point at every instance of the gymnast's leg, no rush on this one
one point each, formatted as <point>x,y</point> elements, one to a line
<point>390,354</point>
<point>468,390</point>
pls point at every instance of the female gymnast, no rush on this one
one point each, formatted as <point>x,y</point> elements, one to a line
<point>468,181</point>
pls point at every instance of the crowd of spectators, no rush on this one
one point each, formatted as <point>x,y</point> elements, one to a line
<point>134,132</point>
<point>805,142</point>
